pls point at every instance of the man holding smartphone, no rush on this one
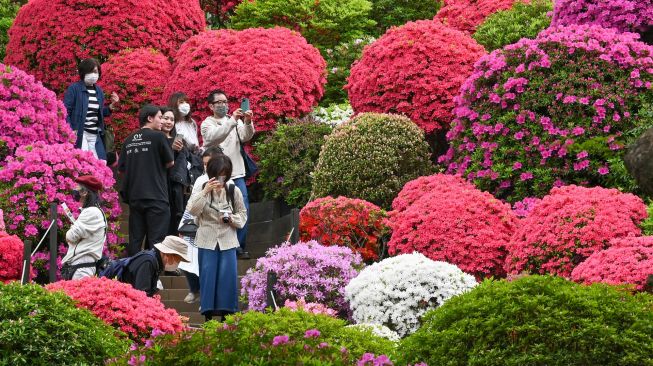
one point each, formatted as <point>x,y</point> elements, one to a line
<point>227,132</point>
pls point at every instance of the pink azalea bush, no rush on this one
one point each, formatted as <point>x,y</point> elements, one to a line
<point>284,76</point>
<point>524,207</point>
<point>414,70</point>
<point>624,15</point>
<point>121,306</point>
<point>11,257</point>
<point>305,270</point>
<point>552,111</point>
<point>448,219</point>
<point>466,15</point>
<point>309,307</point>
<point>42,173</point>
<point>617,266</point>
<point>29,112</point>
<point>569,225</point>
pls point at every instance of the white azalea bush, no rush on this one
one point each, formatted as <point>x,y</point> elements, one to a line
<point>334,114</point>
<point>398,291</point>
<point>379,330</point>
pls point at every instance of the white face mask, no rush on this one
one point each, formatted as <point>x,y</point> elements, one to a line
<point>171,267</point>
<point>184,109</point>
<point>91,79</point>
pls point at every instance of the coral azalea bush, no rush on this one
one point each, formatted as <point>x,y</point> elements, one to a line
<point>616,266</point>
<point>29,112</point>
<point>466,15</point>
<point>432,59</point>
<point>11,257</point>
<point>121,306</point>
<point>448,219</point>
<point>304,270</point>
<point>552,111</point>
<point>624,15</point>
<point>284,76</point>
<point>43,173</point>
<point>347,222</point>
<point>94,28</point>
<point>569,225</point>
<point>398,291</point>
<point>139,76</point>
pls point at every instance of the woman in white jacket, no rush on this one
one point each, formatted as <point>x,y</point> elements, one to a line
<point>87,235</point>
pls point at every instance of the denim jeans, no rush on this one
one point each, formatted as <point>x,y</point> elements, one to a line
<point>242,233</point>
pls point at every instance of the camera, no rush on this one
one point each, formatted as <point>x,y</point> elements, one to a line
<point>225,217</point>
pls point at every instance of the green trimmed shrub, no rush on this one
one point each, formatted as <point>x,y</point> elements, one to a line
<point>339,60</point>
<point>288,156</point>
<point>536,320</point>
<point>509,26</point>
<point>389,13</point>
<point>324,23</point>
<point>38,327</point>
<point>647,224</point>
<point>8,11</point>
<point>273,338</point>
<point>371,157</point>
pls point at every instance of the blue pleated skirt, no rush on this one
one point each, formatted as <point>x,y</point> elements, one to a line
<point>218,280</point>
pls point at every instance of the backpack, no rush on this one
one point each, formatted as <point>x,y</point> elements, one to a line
<point>231,188</point>
<point>115,269</point>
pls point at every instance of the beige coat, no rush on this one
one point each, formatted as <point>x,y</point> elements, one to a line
<point>211,231</point>
<point>222,133</point>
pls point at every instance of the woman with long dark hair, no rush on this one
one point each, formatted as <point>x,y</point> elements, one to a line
<point>87,235</point>
<point>178,179</point>
<point>184,122</point>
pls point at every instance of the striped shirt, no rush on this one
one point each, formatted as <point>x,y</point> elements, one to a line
<point>92,115</point>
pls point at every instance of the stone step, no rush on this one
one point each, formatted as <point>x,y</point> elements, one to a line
<point>194,319</point>
<point>181,306</point>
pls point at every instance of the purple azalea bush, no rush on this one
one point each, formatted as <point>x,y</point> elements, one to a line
<point>551,111</point>
<point>624,15</point>
<point>305,270</point>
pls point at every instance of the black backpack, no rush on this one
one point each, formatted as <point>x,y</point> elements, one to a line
<point>115,269</point>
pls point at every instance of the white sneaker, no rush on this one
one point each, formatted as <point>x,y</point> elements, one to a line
<point>191,298</point>
<point>159,285</point>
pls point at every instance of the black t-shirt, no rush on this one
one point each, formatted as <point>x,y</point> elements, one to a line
<point>143,159</point>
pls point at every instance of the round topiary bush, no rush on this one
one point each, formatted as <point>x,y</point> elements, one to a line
<point>569,225</point>
<point>139,77</point>
<point>347,222</point>
<point>371,157</point>
<point>552,111</point>
<point>398,291</point>
<point>121,306</point>
<point>11,257</point>
<point>433,59</point>
<point>393,13</point>
<point>448,219</point>
<point>284,77</point>
<point>624,15</point>
<point>339,60</point>
<point>288,156</point>
<point>29,112</point>
<point>41,328</point>
<point>627,261</point>
<point>324,23</point>
<point>43,28</point>
<point>42,173</point>
<point>536,320</point>
<point>279,338</point>
<point>304,270</point>
<point>466,15</point>
<point>523,20</point>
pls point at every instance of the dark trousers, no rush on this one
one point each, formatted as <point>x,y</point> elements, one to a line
<point>242,233</point>
<point>147,219</point>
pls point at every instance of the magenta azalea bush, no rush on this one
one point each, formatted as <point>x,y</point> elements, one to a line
<point>552,111</point>
<point>624,15</point>
<point>29,112</point>
<point>42,173</point>
<point>569,225</point>
<point>305,270</point>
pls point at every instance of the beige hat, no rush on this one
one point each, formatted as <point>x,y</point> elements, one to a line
<point>174,245</point>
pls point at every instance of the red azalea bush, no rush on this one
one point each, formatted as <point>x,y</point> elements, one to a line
<point>569,225</point>
<point>121,306</point>
<point>447,219</point>
<point>624,15</point>
<point>617,266</point>
<point>29,112</point>
<point>347,222</point>
<point>552,111</point>
<point>42,173</point>
<point>139,77</point>
<point>638,241</point>
<point>281,74</point>
<point>466,15</point>
<point>11,257</point>
<point>48,37</point>
<point>414,70</point>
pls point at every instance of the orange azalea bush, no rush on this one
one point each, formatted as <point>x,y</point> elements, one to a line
<point>347,222</point>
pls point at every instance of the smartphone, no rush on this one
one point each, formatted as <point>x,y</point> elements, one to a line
<point>68,213</point>
<point>244,105</point>
<point>179,137</point>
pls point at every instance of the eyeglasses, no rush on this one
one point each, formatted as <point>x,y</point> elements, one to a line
<point>220,102</point>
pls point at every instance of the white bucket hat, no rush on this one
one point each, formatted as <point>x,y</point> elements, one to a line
<point>174,245</point>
